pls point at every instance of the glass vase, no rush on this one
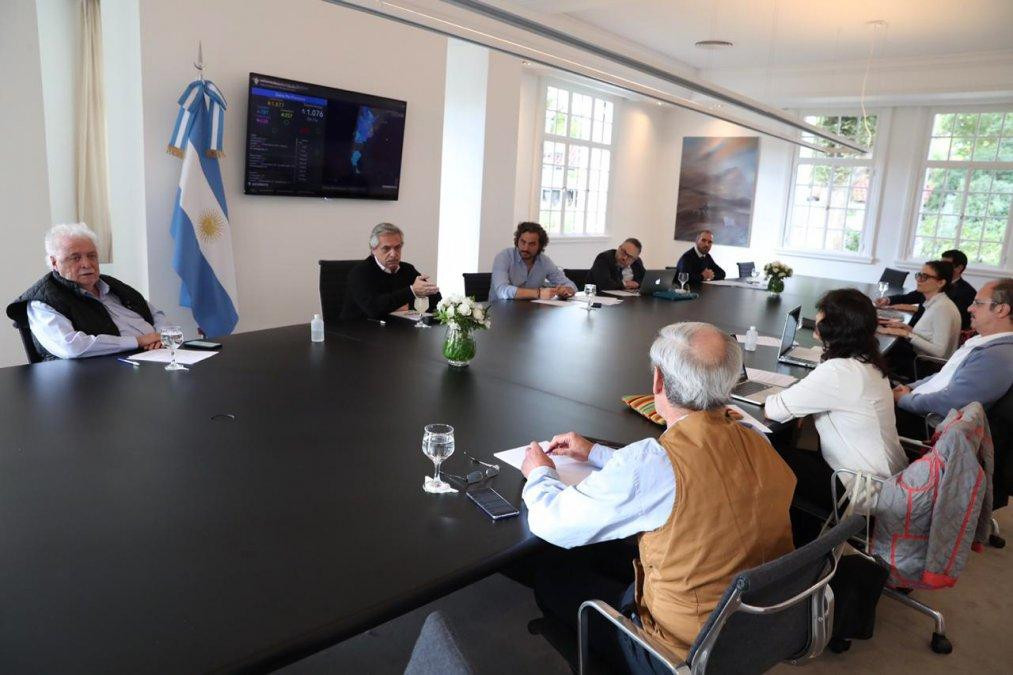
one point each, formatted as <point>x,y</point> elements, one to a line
<point>458,346</point>
<point>775,285</point>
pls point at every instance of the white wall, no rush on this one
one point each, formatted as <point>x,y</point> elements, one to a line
<point>277,241</point>
<point>24,181</point>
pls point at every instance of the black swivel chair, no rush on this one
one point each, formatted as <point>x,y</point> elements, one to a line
<point>780,611</point>
<point>895,278</point>
<point>746,269</point>
<point>477,285</point>
<point>18,313</point>
<point>333,284</point>
<point>578,277</point>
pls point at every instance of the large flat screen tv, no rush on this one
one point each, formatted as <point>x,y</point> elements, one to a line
<point>307,140</point>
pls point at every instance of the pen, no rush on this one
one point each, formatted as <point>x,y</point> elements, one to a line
<point>133,363</point>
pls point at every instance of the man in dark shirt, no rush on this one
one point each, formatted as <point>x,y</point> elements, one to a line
<point>619,269</point>
<point>697,261</point>
<point>381,283</point>
<point>959,291</point>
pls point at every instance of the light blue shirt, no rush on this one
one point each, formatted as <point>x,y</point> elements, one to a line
<point>509,272</point>
<point>633,492</point>
<point>57,335</point>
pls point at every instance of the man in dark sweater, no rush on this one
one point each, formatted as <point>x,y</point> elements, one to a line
<point>697,261</point>
<point>381,283</point>
<point>619,269</point>
<point>959,291</point>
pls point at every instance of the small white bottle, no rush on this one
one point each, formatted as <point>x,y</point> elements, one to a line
<point>317,329</point>
<point>751,337</point>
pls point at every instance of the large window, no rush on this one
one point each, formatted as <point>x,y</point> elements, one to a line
<point>831,193</point>
<point>576,163</point>
<point>966,188</point>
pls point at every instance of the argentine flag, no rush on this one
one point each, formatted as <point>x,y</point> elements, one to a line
<point>202,255</point>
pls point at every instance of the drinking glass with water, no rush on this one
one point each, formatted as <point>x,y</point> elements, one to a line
<point>589,291</point>
<point>437,445</point>
<point>883,288</point>
<point>683,278</point>
<point>172,338</point>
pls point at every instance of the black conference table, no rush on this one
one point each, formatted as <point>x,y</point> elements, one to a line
<point>268,503</point>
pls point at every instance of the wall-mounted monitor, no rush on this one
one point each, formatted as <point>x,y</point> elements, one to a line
<point>307,140</point>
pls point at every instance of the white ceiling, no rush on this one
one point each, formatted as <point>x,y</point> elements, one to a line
<point>775,33</point>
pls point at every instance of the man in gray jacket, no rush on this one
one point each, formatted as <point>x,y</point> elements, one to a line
<point>981,370</point>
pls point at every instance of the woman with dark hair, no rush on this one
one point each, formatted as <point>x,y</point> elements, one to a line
<point>848,394</point>
<point>937,331</point>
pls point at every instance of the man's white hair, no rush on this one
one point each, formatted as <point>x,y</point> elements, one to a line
<point>57,233</point>
<point>382,229</point>
<point>693,378</point>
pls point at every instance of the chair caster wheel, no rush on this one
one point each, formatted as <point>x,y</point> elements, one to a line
<point>940,645</point>
<point>995,541</point>
<point>839,645</point>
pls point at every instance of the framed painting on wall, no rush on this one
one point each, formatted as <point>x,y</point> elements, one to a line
<point>717,188</point>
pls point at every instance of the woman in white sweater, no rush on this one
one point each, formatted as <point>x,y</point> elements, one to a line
<point>848,394</point>
<point>937,331</point>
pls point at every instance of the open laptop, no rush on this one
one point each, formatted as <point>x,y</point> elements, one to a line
<point>751,391</point>
<point>807,357</point>
<point>657,280</point>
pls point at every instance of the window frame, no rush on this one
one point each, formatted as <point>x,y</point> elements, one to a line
<point>540,137</point>
<point>877,171</point>
<point>905,257</point>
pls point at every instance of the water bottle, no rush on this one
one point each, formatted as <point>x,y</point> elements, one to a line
<point>751,337</point>
<point>317,329</point>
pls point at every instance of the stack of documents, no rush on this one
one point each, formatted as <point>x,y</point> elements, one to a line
<point>570,470</point>
<point>187,357</point>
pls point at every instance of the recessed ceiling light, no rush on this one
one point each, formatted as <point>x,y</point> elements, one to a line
<point>713,44</point>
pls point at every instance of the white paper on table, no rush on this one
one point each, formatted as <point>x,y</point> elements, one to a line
<point>623,294</point>
<point>569,469</point>
<point>762,340</point>
<point>410,314</point>
<point>556,303</point>
<point>750,420</point>
<point>768,377</point>
<point>604,300</point>
<point>185,356</point>
<point>738,283</point>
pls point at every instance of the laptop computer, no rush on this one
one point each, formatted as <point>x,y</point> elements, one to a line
<point>751,391</point>
<point>807,357</point>
<point>657,280</point>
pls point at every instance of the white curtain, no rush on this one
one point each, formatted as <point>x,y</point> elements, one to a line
<point>92,162</point>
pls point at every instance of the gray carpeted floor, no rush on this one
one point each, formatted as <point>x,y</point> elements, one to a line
<point>491,619</point>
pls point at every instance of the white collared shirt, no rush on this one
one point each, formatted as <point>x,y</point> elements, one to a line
<point>384,269</point>
<point>57,335</point>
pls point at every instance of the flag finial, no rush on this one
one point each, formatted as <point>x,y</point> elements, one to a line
<point>199,63</point>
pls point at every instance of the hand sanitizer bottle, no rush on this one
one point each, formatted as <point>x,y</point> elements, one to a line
<point>751,336</point>
<point>317,329</point>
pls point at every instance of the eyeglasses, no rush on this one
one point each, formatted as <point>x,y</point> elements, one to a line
<point>476,476</point>
<point>983,303</point>
<point>921,276</point>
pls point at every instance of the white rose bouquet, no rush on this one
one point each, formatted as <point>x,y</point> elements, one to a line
<point>462,312</point>
<point>777,270</point>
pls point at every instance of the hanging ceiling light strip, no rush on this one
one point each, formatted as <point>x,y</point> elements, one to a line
<point>414,17</point>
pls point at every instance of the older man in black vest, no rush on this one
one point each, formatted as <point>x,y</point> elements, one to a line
<point>75,312</point>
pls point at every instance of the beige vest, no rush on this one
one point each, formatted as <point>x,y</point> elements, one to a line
<point>732,494</point>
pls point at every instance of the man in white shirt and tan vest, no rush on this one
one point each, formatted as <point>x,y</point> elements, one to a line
<point>708,499</point>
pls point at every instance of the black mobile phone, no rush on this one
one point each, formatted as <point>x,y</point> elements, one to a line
<point>202,344</point>
<point>493,503</point>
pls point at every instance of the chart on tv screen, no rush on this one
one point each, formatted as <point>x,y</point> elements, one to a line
<point>309,140</point>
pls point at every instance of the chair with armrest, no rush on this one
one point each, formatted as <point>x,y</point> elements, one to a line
<point>578,277</point>
<point>477,285</point>
<point>746,269</point>
<point>18,313</point>
<point>782,610</point>
<point>333,284</point>
<point>895,278</point>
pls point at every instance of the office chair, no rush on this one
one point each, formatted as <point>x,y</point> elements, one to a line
<point>333,284</point>
<point>578,277</point>
<point>18,313</point>
<point>746,269</point>
<point>477,285</point>
<point>437,651</point>
<point>895,278</point>
<point>780,611</point>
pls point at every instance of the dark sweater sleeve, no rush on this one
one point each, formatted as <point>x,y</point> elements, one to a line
<point>375,303</point>
<point>638,271</point>
<point>719,273</point>
<point>689,263</point>
<point>601,274</point>
<point>910,298</point>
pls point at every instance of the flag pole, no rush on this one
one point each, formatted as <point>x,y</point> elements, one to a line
<point>199,63</point>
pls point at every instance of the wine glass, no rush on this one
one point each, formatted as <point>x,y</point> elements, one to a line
<point>883,288</point>
<point>172,338</point>
<point>420,305</point>
<point>437,445</point>
<point>754,275</point>
<point>589,291</point>
<point>683,278</point>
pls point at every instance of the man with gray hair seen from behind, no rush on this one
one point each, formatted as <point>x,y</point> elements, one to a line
<point>76,312</point>
<point>981,370</point>
<point>381,283</point>
<point>708,484</point>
